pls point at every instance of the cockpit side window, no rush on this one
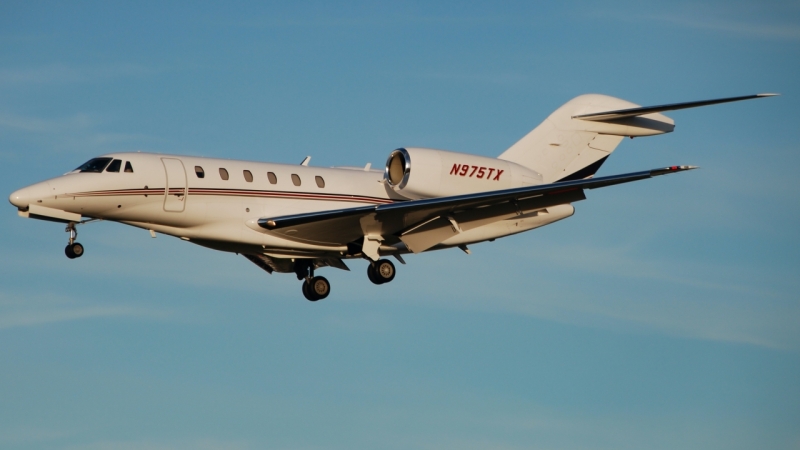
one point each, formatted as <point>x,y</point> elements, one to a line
<point>128,167</point>
<point>95,165</point>
<point>114,166</point>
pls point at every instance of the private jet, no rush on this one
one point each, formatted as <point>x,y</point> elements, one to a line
<point>300,218</point>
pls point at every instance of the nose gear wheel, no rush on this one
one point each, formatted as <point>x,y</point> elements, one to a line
<point>73,249</point>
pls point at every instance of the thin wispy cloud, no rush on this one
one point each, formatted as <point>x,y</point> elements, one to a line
<point>78,132</point>
<point>700,17</point>
<point>386,20</point>
<point>43,125</point>
<point>622,262</point>
<point>64,73</point>
<point>499,78</point>
<point>193,444</point>
<point>772,31</point>
<point>704,306</point>
<point>17,311</point>
<point>29,434</point>
<point>688,299</point>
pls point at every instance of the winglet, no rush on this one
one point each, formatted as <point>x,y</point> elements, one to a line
<point>306,161</point>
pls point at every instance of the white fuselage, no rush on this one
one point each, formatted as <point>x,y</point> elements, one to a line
<point>165,193</point>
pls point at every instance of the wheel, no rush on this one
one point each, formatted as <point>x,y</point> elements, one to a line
<point>307,292</point>
<point>319,287</point>
<point>372,275</point>
<point>384,270</point>
<point>74,250</point>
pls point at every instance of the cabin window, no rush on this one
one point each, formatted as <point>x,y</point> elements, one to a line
<point>95,165</point>
<point>128,167</point>
<point>248,176</point>
<point>296,179</point>
<point>320,181</point>
<point>223,173</point>
<point>114,166</point>
<point>199,172</point>
<point>272,178</point>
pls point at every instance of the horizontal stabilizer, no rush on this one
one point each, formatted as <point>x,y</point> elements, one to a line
<point>640,111</point>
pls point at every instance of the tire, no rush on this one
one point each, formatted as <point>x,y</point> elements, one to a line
<point>77,250</point>
<point>69,253</point>
<point>319,287</point>
<point>384,270</point>
<point>372,275</point>
<point>307,292</point>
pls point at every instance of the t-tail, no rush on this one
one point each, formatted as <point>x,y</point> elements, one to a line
<point>576,139</point>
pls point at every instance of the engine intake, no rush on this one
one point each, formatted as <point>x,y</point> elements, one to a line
<point>398,168</point>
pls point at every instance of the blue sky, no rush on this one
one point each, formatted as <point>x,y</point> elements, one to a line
<point>664,314</point>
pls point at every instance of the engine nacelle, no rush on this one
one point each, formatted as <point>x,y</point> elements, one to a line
<point>417,173</point>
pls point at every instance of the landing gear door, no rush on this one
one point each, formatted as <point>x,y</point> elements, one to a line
<point>175,192</point>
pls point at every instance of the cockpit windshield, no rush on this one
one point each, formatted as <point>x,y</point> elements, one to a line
<point>94,165</point>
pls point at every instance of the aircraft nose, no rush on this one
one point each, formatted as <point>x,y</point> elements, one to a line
<point>27,195</point>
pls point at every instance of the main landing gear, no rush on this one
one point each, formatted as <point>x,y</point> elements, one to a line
<point>314,288</point>
<point>73,249</point>
<point>381,271</point>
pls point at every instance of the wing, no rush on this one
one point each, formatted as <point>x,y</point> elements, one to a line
<point>640,111</point>
<point>421,224</point>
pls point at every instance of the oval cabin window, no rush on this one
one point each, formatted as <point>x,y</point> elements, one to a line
<point>320,181</point>
<point>223,173</point>
<point>296,179</point>
<point>199,172</point>
<point>272,178</point>
<point>248,176</point>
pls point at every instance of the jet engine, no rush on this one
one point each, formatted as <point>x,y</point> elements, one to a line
<point>417,173</point>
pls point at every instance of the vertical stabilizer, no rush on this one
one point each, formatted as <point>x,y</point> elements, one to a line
<point>565,147</point>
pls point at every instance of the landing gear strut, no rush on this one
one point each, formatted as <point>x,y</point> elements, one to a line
<point>381,271</point>
<point>73,249</point>
<point>314,288</point>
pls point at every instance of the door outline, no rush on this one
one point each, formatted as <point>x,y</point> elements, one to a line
<point>175,191</point>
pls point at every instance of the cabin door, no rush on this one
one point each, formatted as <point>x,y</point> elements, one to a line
<point>175,192</point>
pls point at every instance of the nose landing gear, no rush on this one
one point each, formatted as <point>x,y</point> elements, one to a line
<point>73,249</point>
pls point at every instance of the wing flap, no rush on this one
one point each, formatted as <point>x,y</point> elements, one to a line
<point>435,231</point>
<point>429,233</point>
